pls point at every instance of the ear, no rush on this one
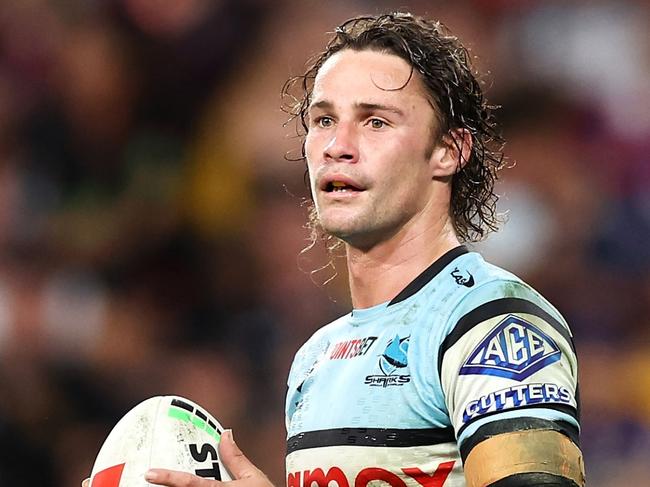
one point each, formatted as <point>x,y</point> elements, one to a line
<point>451,154</point>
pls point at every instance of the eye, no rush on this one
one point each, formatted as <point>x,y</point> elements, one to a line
<point>377,123</point>
<point>324,121</point>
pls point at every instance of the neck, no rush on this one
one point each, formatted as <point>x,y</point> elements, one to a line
<point>378,274</point>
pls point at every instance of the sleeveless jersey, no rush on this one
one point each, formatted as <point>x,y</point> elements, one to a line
<point>401,392</point>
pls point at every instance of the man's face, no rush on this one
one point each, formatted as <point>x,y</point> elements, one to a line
<point>369,147</point>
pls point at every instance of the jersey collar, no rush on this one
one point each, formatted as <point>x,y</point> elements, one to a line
<point>428,274</point>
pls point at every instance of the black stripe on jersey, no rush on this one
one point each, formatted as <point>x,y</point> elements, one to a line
<point>495,308</point>
<point>534,479</point>
<point>429,273</point>
<point>517,424</point>
<point>563,408</point>
<point>389,437</point>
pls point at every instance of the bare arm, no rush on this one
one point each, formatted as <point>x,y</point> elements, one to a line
<point>526,458</point>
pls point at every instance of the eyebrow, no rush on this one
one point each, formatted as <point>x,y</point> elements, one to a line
<point>324,104</point>
<point>379,106</point>
<point>328,105</point>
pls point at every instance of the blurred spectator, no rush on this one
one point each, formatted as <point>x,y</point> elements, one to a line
<point>151,230</point>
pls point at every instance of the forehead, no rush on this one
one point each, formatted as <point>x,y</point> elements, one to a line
<point>372,75</point>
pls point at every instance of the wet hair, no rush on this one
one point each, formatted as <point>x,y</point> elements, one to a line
<point>454,90</point>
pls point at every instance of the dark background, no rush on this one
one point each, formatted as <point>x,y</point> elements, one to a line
<point>150,228</point>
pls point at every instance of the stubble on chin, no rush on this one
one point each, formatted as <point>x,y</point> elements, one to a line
<point>354,230</point>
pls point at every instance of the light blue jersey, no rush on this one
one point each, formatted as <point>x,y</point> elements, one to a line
<point>402,391</point>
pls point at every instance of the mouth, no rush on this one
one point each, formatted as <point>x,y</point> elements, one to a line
<point>336,185</point>
<point>340,187</point>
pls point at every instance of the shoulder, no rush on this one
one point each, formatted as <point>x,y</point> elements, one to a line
<point>469,294</point>
<point>500,297</point>
<point>469,290</point>
<point>489,280</point>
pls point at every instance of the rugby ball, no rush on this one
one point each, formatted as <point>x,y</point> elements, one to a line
<point>162,432</point>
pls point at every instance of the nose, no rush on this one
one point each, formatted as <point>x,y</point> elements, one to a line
<point>343,146</point>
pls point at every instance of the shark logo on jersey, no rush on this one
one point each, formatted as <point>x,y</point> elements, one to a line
<point>514,349</point>
<point>462,280</point>
<point>395,357</point>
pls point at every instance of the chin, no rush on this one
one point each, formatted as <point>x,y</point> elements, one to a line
<point>349,226</point>
<point>340,231</point>
<point>335,221</point>
<point>355,235</point>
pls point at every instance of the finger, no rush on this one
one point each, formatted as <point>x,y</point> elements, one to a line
<point>85,483</point>
<point>234,460</point>
<point>172,478</point>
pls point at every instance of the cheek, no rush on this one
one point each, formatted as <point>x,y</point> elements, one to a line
<point>407,174</point>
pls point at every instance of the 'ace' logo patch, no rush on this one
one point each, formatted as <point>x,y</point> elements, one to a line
<point>514,349</point>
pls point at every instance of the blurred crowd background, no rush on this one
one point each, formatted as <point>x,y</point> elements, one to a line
<point>151,229</point>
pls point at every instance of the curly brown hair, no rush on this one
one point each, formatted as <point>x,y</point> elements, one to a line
<point>454,90</point>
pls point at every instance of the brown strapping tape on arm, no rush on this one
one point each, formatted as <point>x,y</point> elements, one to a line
<point>507,454</point>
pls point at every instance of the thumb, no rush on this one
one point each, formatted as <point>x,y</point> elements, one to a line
<point>234,460</point>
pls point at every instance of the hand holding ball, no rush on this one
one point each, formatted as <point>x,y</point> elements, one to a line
<point>167,432</point>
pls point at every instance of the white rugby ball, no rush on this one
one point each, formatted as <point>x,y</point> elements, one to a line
<point>162,432</point>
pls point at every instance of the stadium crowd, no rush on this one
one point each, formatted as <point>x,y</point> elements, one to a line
<point>151,229</point>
